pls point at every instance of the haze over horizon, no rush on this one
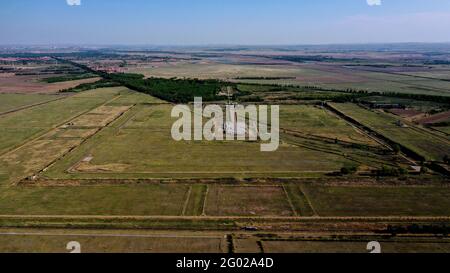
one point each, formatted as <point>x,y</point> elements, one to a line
<point>231,22</point>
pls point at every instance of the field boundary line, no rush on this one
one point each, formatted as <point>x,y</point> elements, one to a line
<point>361,131</point>
<point>290,201</point>
<point>34,105</point>
<point>52,128</point>
<point>417,128</point>
<point>357,181</point>
<point>212,218</point>
<point>375,134</point>
<point>120,127</point>
<point>307,200</point>
<point>205,201</point>
<point>186,202</point>
<point>98,130</point>
<point>15,183</point>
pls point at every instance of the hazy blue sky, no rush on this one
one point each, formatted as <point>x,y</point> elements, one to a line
<point>223,21</point>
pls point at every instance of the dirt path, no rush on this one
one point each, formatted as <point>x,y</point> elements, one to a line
<point>108,235</point>
<point>266,218</point>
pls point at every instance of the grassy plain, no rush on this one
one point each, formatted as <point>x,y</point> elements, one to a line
<point>317,121</point>
<point>22,125</point>
<point>9,102</point>
<point>378,201</point>
<point>421,141</point>
<point>247,201</point>
<point>110,134</point>
<point>42,126</point>
<point>95,200</point>
<point>115,155</point>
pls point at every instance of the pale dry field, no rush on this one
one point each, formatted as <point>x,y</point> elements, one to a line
<point>32,84</point>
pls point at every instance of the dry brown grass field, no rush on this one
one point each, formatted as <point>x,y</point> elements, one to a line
<point>33,84</point>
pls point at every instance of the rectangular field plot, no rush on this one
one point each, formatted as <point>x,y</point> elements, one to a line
<point>247,245</point>
<point>158,154</point>
<point>142,147</point>
<point>74,133</point>
<point>129,97</point>
<point>27,123</point>
<point>34,156</point>
<point>10,102</point>
<point>99,117</point>
<point>37,154</point>
<point>10,138</point>
<point>247,201</point>
<point>298,200</point>
<point>379,201</point>
<point>111,244</point>
<point>422,142</point>
<point>194,204</point>
<point>137,200</point>
<point>353,247</point>
<point>316,121</point>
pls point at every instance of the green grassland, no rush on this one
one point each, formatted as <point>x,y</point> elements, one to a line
<point>9,102</point>
<point>73,77</point>
<point>421,141</point>
<point>96,200</point>
<point>111,152</point>
<point>129,97</point>
<point>115,154</point>
<point>380,201</point>
<point>285,95</point>
<point>137,144</point>
<point>422,106</point>
<point>317,121</point>
<point>247,201</point>
<point>19,126</point>
<point>444,129</point>
<point>170,200</point>
<point>29,143</point>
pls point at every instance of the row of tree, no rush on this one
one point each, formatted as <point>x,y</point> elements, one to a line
<point>173,90</point>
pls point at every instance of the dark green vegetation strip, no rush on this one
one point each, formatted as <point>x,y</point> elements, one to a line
<point>125,223</point>
<point>66,78</point>
<point>89,86</point>
<point>174,90</point>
